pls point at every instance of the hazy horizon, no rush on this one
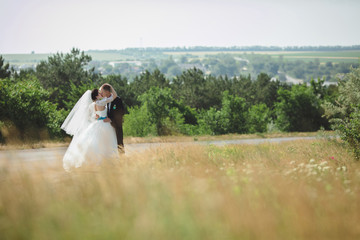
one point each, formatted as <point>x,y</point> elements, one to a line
<point>53,26</point>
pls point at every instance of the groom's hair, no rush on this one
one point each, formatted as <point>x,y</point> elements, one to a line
<point>94,94</point>
<point>107,88</point>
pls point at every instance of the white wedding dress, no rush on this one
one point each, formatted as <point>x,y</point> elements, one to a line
<point>93,142</point>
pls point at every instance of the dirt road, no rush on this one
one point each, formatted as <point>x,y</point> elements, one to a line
<point>51,154</point>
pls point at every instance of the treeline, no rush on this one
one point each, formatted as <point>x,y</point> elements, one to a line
<point>34,103</point>
<point>231,65</point>
<point>235,48</point>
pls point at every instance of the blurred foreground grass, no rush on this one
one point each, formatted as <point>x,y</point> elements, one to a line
<point>293,190</point>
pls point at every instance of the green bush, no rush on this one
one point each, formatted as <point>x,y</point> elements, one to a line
<point>258,118</point>
<point>137,123</point>
<point>349,130</point>
<point>298,109</point>
<point>159,114</point>
<point>231,118</point>
<point>75,92</point>
<point>344,113</point>
<point>25,108</point>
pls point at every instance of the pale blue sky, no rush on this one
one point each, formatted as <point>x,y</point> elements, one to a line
<point>47,26</point>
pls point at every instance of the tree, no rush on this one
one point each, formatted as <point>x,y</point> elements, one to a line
<point>272,68</point>
<point>4,69</point>
<point>25,107</point>
<point>191,87</point>
<point>344,113</point>
<point>159,114</point>
<point>299,109</point>
<point>265,90</point>
<point>60,71</point>
<point>242,86</point>
<point>75,92</point>
<point>183,59</point>
<point>166,64</point>
<point>145,81</point>
<point>174,70</point>
<point>231,118</point>
<point>258,117</point>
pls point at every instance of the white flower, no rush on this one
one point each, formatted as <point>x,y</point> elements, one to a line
<point>312,160</point>
<point>323,163</point>
<point>311,165</point>
<point>347,181</point>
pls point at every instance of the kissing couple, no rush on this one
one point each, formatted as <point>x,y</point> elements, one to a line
<point>95,123</point>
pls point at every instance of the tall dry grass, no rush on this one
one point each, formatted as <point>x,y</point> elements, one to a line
<point>293,190</point>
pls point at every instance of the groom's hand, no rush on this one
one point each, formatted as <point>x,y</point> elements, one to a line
<point>96,116</point>
<point>107,120</point>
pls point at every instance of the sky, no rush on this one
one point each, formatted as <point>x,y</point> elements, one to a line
<point>49,26</point>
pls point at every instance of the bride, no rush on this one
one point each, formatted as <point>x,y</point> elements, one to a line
<point>94,140</point>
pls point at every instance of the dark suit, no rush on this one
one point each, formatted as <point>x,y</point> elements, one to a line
<point>115,112</point>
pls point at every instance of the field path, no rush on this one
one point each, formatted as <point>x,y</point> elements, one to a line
<point>51,154</point>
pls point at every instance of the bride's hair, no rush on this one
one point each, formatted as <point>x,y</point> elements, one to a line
<point>94,94</point>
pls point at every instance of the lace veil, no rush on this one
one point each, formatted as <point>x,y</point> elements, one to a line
<point>80,116</point>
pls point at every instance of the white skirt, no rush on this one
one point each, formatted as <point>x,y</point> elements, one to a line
<point>97,143</point>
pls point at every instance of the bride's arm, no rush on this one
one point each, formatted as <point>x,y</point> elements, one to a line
<point>112,90</point>
<point>105,100</point>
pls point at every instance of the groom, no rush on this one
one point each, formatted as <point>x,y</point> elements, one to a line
<point>115,113</point>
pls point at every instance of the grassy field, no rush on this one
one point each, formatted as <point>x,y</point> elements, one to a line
<point>293,190</point>
<point>19,59</point>
<point>330,56</point>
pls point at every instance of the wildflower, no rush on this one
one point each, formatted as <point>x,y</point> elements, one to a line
<point>347,181</point>
<point>312,160</point>
<point>326,168</point>
<point>323,163</point>
<point>343,168</point>
<point>292,162</point>
<point>311,165</point>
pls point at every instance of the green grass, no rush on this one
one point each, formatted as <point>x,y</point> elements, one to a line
<point>19,59</point>
<point>103,56</point>
<point>335,57</point>
<point>329,56</point>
